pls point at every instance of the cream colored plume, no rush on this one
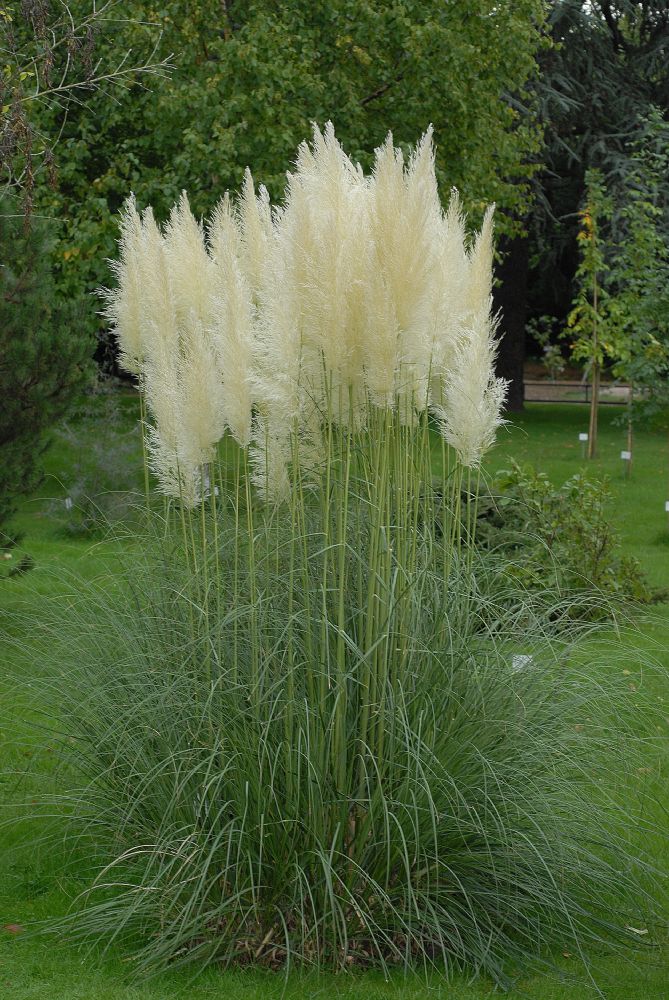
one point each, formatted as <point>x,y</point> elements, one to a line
<point>158,318</point>
<point>278,387</point>
<point>470,411</point>
<point>358,290</point>
<point>170,452</point>
<point>174,453</point>
<point>232,325</point>
<point>309,365</point>
<point>406,226</point>
<point>451,278</point>
<point>473,396</point>
<point>325,218</point>
<point>191,270</point>
<point>255,231</point>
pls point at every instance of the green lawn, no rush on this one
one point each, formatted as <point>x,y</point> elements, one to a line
<point>37,968</point>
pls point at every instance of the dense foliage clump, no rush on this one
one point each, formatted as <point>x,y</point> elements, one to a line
<point>559,538</point>
<point>45,355</point>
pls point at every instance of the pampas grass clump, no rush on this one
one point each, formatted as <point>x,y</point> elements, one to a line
<point>296,735</point>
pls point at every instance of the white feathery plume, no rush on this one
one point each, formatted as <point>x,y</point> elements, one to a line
<point>451,277</point>
<point>359,287</point>
<point>473,396</point>
<point>202,410</point>
<point>200,364</point>
<point>170,454</point>
<point>478,288</point>
<point>170,457</point>
<point>255,218</point>
<point>190,267</point>
<point>124,302</point>
<point>406,226</point>
<point>277,385</point>
<point>232,330</point>
<point>327,197</point>
<point>178,371</point>
<point>158,320</point>
<point>381,339</point>
<point>312,308</point>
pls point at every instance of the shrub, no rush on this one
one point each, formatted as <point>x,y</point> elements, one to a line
<point>559,539</point>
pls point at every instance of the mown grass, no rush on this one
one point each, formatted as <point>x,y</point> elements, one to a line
<point>35,968</point>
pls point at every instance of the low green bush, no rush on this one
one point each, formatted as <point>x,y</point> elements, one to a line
<point>559,538</point>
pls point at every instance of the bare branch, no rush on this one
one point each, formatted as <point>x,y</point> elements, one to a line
<point>63,43</point>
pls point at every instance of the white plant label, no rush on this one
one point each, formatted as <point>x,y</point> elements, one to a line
<point>583,437</point>
<point>626,456</point>
<point>666,506</point>
<point>68,503</point>
<point>520,661</point>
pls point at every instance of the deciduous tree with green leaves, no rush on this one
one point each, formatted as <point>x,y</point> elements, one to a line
<point>251,75</point>
<point>608,65</point>
<point>639,274</point>
<point>53,57</point>
<point>588,322</point>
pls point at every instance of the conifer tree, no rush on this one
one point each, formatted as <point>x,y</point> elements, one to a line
<point>45,353</point>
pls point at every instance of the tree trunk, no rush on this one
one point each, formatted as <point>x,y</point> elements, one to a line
<point>510,300</point>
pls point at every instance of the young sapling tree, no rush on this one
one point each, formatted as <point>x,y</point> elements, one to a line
<point>588,320</point>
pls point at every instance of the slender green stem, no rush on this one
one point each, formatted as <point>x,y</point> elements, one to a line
<point>145,457</point>
<point>342,546</point>
<point>253,595</point>
<point>206,621</point>
<point>235,567</point>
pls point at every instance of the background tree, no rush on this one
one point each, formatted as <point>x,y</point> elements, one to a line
<point>44,357</point>
<point>251,75</point>
<point>588,322</point>
<point>639,274</point>
<point>608,65</point>
<point>52,58</point>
